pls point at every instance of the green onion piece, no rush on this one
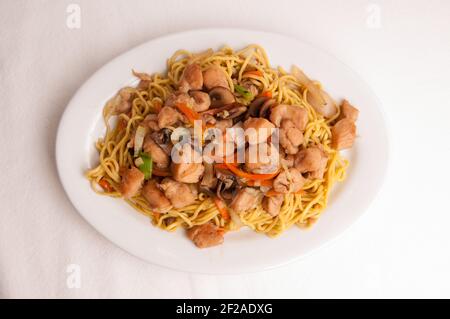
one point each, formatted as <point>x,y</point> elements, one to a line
<point>244,92</point>
<point>147,166</point>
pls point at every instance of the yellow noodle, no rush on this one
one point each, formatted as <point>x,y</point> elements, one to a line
<point>299,209</point>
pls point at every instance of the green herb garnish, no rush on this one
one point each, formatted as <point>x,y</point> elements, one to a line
<point>246,94</point>
<point>147,166</point>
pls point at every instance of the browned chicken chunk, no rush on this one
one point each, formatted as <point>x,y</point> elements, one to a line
<point>262,159</point>
<point>343,134</point>
<point>348,111</point>
<point>192,78</point>
<point>272,204</point>
<point>186,168</point>
<point>294,113</point>
<point>290,137</point>
<point>313,160</point>
<point>168,116</point>
<point>246,199</point>
<point>131,182</point>
<point>179,194</point>
<point>257,130</point>
<point>287,160</point>
<point>206,235</point>
<point>123,101</point>
<point>289,182</point>
<point>178,98</point>
<point>214,76</point>
<point>160,158</point>
<point>201,100</point>
<point>155,197</point>
<point>308,160</point>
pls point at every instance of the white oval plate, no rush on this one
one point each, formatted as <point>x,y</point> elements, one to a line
<point>243,251</point>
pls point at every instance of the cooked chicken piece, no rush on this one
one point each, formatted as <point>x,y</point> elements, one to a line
<point>215,76</point>
<point>186,167</point>
<point>160,158</point>
<point>192,78</point>
<point>246,199</point>
<point>155,197</point>
<point>308,160</point>
<point>122,101</point>
<point>289,182</point>
<point>131,182</point>
<point>272,204</point>
<point>151,122</point>
<point>294,113</point>
<point>287,160</point>
<point>290,137</point>
<point>179,98</point>
<point>257,130</point>
<point>318,173</point>
<point>313,160</point>
<point>202,101</point>
<point>348,111</point>
<point>262,159</point>
<point>197,100</point>
<point>222,125</point>
<point>168,116</point>
<point>206,235</point>
<point>179,194</point>
<point>343,134</point>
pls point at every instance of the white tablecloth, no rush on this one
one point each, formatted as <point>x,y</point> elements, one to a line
<point>400,248</point>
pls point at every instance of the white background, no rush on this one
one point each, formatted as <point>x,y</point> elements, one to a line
<point>399,248</point>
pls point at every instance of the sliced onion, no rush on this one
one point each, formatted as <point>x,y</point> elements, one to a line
<point>139,140</point>
<point>138,162</point>
<point>236,219</point>
<point>319,99</point>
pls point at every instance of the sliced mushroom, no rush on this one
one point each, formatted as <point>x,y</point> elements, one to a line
<point>264,111</point>
<point>209,180</point>
<point>221,96</point>
<point>255,107</point>
<point>214,111</point>
<point>232,114</point>
<point>162,138</point>
<point>226,185</point>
